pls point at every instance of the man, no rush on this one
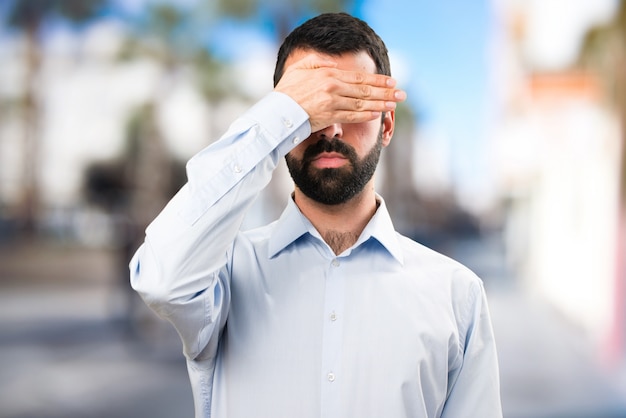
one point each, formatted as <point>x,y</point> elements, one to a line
<point>327,312</point>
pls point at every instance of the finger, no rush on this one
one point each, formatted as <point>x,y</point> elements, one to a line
<point>363,105</point>
<point>370,93</point>
<point>363,78</point>
<point>367,86</point>
<point>374,93</point>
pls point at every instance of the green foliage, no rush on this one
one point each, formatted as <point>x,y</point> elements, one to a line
<point>604,53</point>
<point>283,15</point>
<point>213,78</point>
<point>28,14</point>
<point>241,9</point>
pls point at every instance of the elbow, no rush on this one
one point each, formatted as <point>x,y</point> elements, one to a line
<point>164,289</point>
<point>147,280</point>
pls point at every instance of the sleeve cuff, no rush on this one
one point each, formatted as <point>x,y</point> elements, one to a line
<point>282,119</point>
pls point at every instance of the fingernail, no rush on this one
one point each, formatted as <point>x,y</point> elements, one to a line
<point>400,95</point>
<point>390,105</point>
<point>391,82</point>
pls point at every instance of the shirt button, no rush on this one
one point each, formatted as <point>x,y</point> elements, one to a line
<point>237,169</point>
<point>295,140</point>
<point>331,377</point>
<point>288,123</point>
<point>335,263</point>
<point>333,316</point>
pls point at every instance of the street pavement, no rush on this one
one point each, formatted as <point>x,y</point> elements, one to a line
<point>68,348</point>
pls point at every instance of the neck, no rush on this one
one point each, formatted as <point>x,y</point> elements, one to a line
<point>339,225</point>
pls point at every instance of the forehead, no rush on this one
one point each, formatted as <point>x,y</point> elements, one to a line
<point>352,61</point>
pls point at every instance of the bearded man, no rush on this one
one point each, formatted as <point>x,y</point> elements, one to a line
<point>328,311</point>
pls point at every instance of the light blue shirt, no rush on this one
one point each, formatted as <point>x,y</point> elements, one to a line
<point>275,325</point>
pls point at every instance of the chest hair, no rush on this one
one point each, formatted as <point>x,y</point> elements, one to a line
<point>340,241</point>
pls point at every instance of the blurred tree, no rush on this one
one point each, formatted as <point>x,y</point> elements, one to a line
<point>170,35</point>
<point>147,161</point>
<point>604,53</point>
<point>284,15</point>
<point>30,17</point>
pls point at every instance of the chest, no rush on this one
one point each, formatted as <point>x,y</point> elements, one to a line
<point>364,308</point>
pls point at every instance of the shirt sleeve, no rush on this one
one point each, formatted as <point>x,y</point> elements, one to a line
<point>180,269</point>
<point>474,387</point>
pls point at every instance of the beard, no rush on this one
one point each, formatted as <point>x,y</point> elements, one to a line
<point>333,186</point>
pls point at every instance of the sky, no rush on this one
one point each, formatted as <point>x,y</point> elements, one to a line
<point>443,46</point>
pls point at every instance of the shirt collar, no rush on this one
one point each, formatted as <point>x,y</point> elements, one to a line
<point>292,225</point>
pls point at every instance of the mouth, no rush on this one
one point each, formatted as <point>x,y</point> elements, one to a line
<point>329,160</point>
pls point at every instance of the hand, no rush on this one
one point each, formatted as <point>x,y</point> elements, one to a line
<point>330,95</point>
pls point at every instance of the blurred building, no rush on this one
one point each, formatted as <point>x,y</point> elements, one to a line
<point>557,152</point>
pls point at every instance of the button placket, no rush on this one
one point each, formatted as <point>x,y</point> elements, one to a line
<point>332,338</point>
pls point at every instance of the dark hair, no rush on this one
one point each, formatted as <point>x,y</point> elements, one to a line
<point>334,34</point>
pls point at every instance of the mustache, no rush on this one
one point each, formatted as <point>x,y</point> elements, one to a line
<point>329,145</point>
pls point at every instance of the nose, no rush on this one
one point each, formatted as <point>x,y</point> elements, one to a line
<point>333,131</point>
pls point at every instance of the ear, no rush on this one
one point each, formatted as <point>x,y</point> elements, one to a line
<point>388,125</point>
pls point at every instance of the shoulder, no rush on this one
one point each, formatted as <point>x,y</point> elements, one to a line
<point>434,265</point>
<point>426,256</point>
<point>255,236</point>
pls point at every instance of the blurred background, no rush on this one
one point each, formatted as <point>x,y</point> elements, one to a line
<point>508,156</point>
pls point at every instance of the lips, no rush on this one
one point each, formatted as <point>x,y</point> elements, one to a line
<point>329,160</point>
<point>327,150</point>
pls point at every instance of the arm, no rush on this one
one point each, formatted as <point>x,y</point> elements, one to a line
<point>179,270</point>
<point>474,388</point>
